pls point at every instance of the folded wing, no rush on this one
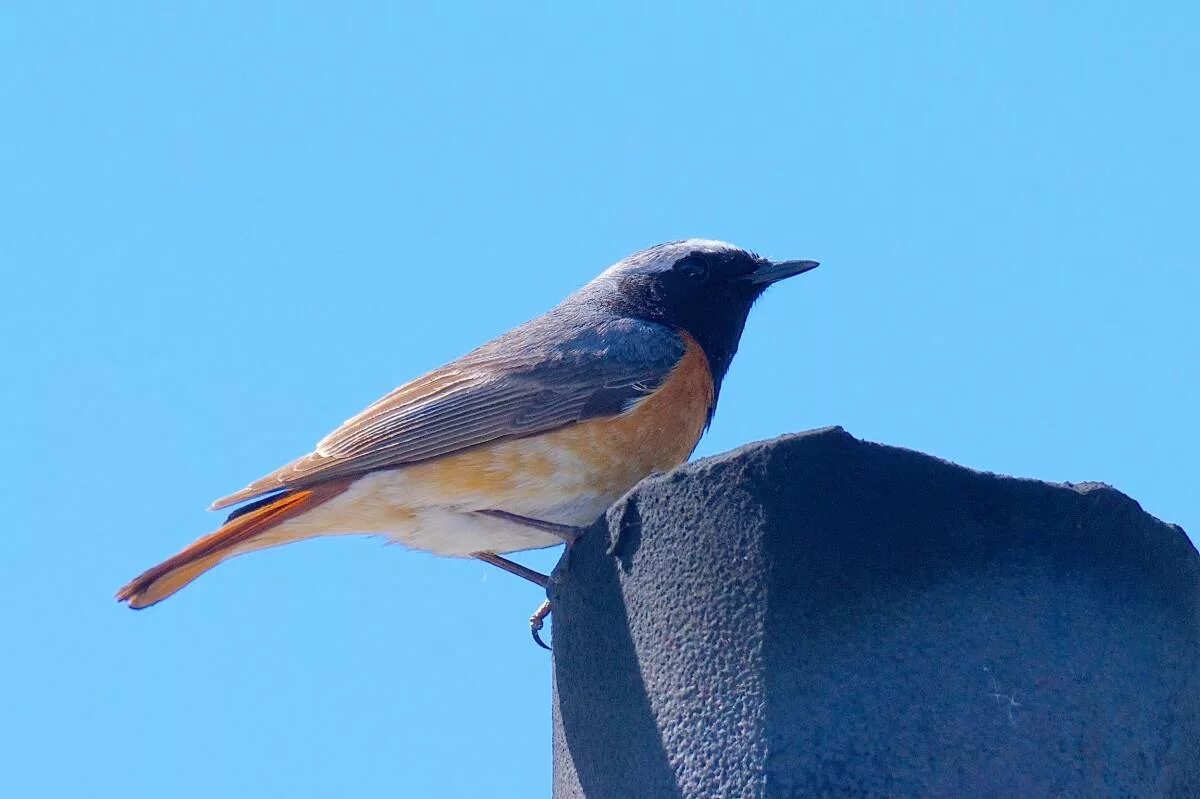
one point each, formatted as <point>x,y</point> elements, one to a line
<point>530,380</point>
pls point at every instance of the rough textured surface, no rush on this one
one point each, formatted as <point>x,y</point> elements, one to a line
<point>820,616</point>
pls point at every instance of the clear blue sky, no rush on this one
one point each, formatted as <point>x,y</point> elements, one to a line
<point>226,229</point>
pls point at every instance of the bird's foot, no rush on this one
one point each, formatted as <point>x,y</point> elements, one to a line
<point>569,535</point>
<point>537,621</point>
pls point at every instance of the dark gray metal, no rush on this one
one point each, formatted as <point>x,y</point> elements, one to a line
<point>820,616</point>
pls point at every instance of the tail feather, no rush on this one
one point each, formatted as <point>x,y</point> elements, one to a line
<point>241,528</point>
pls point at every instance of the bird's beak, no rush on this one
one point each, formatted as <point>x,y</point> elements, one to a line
<point>774,271</point>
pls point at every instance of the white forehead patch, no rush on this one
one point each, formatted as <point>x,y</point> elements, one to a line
<point>662,256</point>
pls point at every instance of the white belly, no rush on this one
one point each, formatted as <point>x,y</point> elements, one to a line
<point>415,508</point>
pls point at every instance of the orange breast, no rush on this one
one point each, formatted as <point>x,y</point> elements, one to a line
<point>658,434</point>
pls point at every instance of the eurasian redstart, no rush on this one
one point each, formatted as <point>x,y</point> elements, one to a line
<point>526,440</point>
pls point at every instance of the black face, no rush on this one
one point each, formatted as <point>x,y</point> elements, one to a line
<point>705,294</point>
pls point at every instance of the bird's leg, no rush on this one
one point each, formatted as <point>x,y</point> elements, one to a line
<point>568,533</point>
<point>509,566</point>
<point>539,616</point>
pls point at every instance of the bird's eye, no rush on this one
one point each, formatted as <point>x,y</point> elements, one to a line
<point>694,267</point>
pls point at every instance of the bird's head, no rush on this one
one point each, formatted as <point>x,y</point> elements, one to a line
<point>702,287</point>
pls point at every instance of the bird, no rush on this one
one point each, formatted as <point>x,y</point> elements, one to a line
<point>523,442</point>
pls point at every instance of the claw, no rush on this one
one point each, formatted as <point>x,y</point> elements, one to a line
<point>537,621</point>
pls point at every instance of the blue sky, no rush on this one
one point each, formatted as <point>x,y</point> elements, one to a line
<point>226,229</point>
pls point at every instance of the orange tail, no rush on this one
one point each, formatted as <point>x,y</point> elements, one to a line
<point>242,527</point>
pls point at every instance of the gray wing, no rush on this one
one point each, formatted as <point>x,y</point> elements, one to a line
<point>528,381</point>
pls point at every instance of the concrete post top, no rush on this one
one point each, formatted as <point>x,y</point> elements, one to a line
<point>822,616</point>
